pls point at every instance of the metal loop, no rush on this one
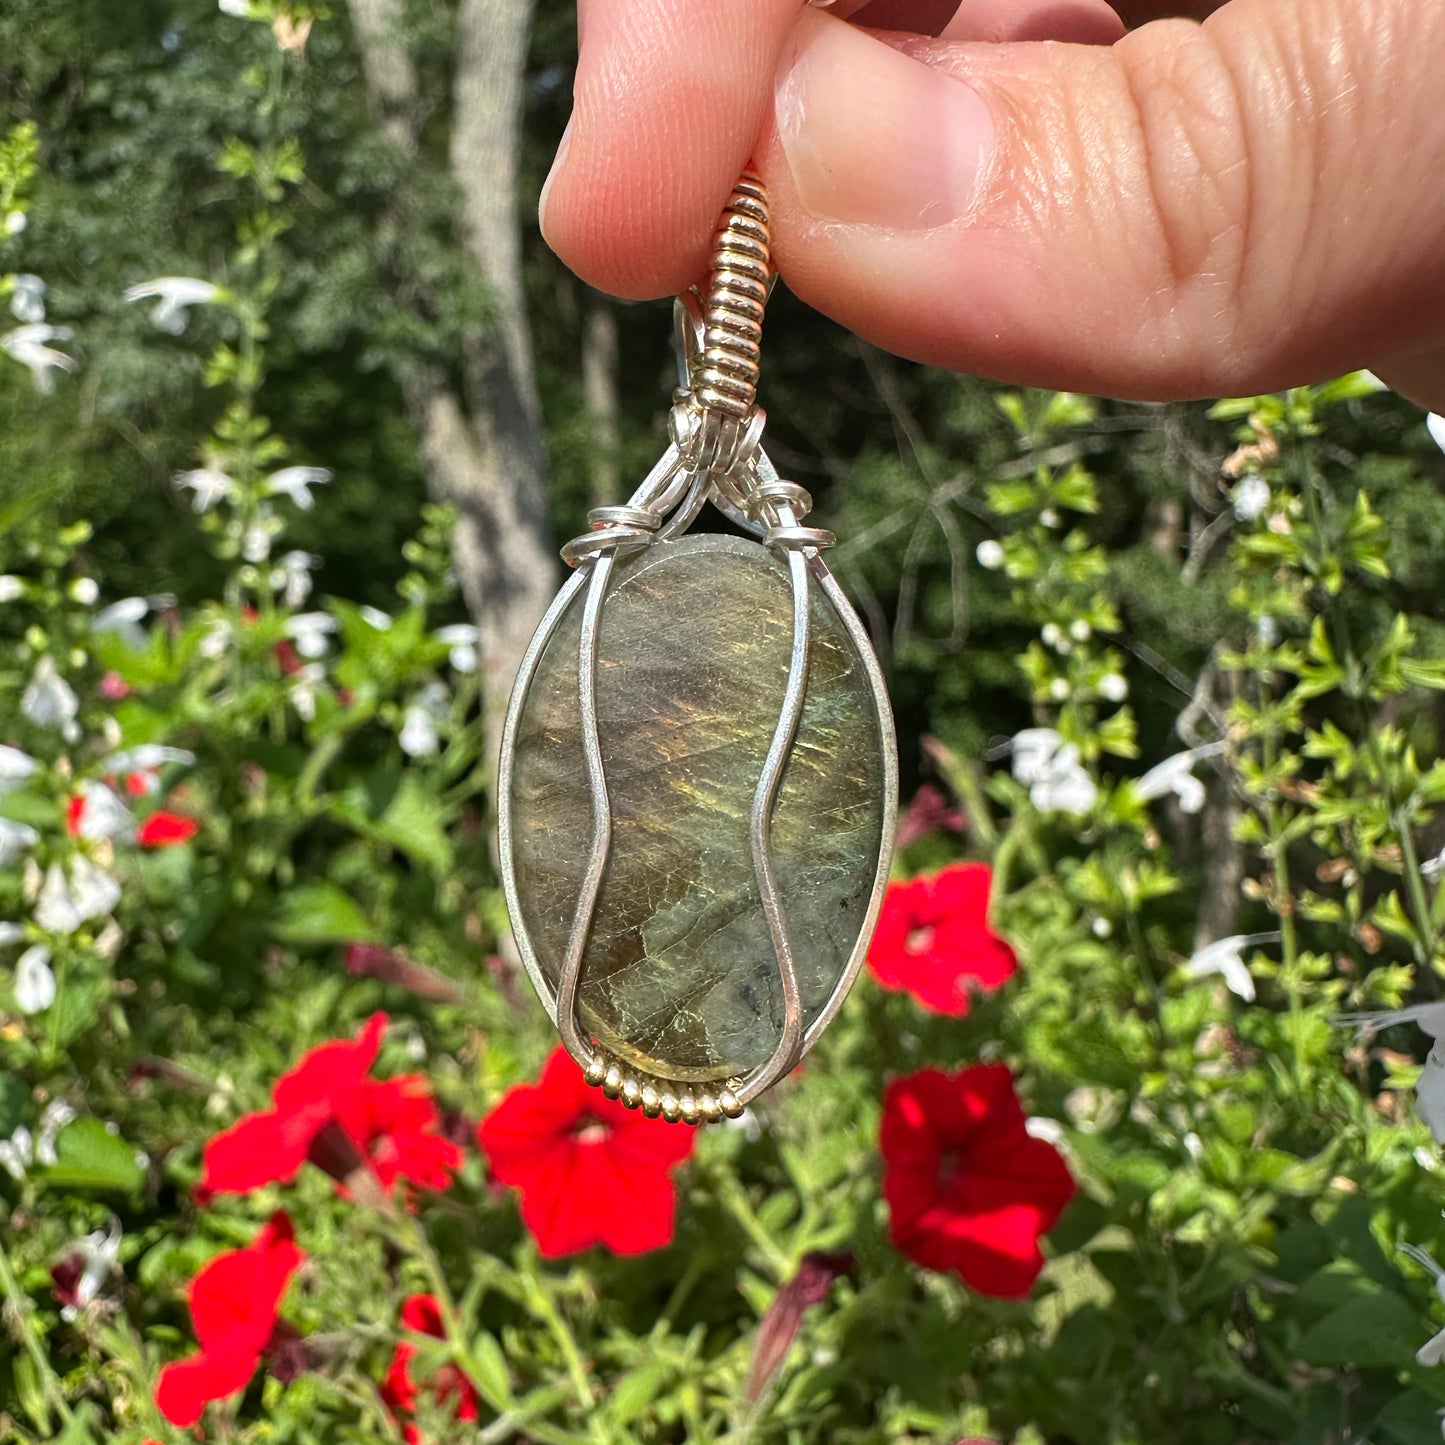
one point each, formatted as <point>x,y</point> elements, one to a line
<point>620,540</point>
<point>768,496</point>
<point>624,517</point>
<point>794,538</point>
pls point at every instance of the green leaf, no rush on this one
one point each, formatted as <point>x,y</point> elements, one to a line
<point>402,814</point>
<point>1381,1329</point>
<point>490,1365</point>
<point>636,1390</point>
<point>321,913</point>
<point>89,1156</point>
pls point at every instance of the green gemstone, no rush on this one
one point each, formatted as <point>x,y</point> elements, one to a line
<point>679,977</point>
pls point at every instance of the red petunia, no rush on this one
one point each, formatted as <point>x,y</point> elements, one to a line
<point>163,830</point>
<point>933,939</point>
<point>421,1314</point>
<point>234,1301</point>
<point>328,1109</point>
<point>968,1188</point>
<point>590,1170</point>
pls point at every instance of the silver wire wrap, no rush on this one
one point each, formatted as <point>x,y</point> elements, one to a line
<point>715,455</point>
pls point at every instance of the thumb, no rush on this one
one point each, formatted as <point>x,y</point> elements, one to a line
<point>1197,210</point>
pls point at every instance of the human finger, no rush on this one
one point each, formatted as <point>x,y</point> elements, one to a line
<point>1196,210</point>
<point>669,100</point>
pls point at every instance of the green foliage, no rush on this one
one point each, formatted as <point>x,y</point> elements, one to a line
<point>1259,580</point>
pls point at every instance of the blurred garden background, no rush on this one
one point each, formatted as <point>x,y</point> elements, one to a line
<point>295,408</point>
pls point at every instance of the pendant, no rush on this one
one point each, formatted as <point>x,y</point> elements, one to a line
<point>698,784</point>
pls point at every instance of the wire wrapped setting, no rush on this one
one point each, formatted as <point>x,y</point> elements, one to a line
<point>715,455</point>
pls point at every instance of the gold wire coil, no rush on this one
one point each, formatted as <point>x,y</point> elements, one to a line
<point>726,379</point>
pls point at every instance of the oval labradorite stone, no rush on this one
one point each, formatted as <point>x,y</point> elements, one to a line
<point>679,977</point>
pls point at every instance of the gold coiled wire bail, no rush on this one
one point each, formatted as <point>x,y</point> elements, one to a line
<point>727,374</point>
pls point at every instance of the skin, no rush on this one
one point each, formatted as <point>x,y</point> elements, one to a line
<point>1151,200</point>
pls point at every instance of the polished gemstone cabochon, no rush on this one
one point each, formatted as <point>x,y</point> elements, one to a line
<point>679,978</point>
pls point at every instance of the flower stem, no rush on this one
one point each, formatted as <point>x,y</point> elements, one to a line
<point>541,1303</point>
<point>21,1309</point>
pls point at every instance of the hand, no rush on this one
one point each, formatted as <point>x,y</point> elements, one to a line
<point>1181,210</point>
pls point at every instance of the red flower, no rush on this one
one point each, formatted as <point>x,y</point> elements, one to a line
<point>591,1171</point>
<point>329,1110</point>
<point>163,830</point>
<point>933,939</point>
<point>421,1314</point>
<point>968,1189</point>
<point>233,1302</point>
<point>113,687</point>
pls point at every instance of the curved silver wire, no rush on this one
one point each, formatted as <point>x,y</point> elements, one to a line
<point>567,1018</point>
<point>760,836</point>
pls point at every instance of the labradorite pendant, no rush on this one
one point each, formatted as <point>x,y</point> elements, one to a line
<point>698,776</point>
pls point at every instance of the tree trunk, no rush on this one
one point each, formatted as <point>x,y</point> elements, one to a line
<point>481,444</point>
<point>599,395</point>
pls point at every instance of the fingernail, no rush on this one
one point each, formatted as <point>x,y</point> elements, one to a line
<point>875,138</point>
<point>558,161</point>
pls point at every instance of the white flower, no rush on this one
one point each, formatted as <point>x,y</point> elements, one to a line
<point>1033,751</point>
<point>15,768</point>
<point>146,759</point>
<point>101,1252</point>
<point>1057,780</point>
<point>50,702</point>
<point>418,736</point>
<point>1430,1086</point>
<point>462,639</point>
<point>1113,687</point>
<point>1435,425</point>
<point>1433,1350</point>
<point>123,620</point>
<point>217,638</point>
<point>15,840</point>
<point>1429,1017</point>
<point>16,1152</point>
<point>990,554</point>
<point>67,901</point>
<point>1430,1094</point>
<point>1225,956</point>
<point>1049,517</point>
<point>1037,1126</point>
<point>305,685</point>
<point>1053,636</point>
<point>102,814</point>
<point>1080,630</point>
<point>295,482</point>
<point>34,981</point>
<point>292,578</point>
<point>309,630</point>
<point>27,297</point>
<point>1250,498</point>
<point>241,9</point>
<point>207,483</point>
<point>1268,630</point>
<point>375,617</point>
<point>10,588</point>
<point>56,1116</point>
<point>174,295</point>
<point>10,933</point>
<point>1431,867</point>
<point>27,345</point>
<point>14,223</point>
<point>1173,775</point>
<point>256,540</point>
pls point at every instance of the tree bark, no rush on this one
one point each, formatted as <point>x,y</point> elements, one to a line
<point>599,395</point>
<point>481,443</point>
